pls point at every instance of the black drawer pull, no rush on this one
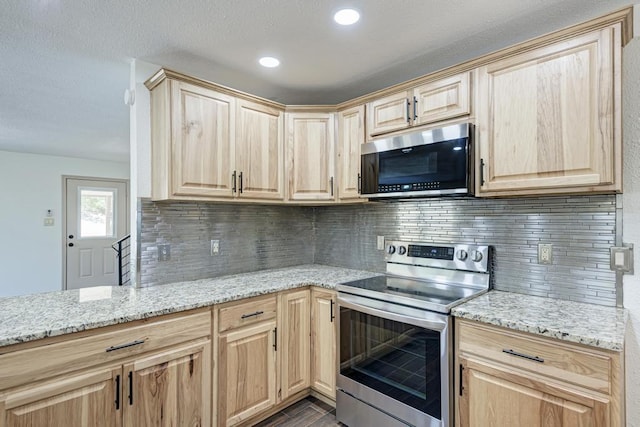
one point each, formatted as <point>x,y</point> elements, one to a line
<point>121,346</point>
<point>246,316</point>
<point>524,356</point>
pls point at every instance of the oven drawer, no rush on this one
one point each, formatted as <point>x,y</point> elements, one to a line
<point>247,312</point>
<point>552,358</point>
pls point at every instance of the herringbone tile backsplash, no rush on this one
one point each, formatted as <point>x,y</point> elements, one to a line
<point>581,229</point>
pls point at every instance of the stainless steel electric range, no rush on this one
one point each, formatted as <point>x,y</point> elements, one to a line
<point>395,334</point>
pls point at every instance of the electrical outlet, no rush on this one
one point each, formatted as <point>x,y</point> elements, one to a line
<point>545,253</point>
<point>215,247</point>
<point>164,252</point>
<point>380,243</point>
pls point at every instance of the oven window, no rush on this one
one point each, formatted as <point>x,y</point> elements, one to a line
<point>399,360</point>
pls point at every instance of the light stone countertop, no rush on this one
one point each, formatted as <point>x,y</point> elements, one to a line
<point>32,317</point>
<point>589,324</point>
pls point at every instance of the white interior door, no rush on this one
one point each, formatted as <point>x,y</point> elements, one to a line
<point>96,217</point>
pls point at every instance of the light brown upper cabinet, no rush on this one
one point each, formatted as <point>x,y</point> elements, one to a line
<point>208,143</point>
<point>428,103</point>
<point>350,138</point>
<point>311,156</point>
<point>193,129</point>
<point>259,151</point>
<point>549,118</point>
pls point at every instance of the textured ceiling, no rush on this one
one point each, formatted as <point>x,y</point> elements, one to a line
<point>64,65</point>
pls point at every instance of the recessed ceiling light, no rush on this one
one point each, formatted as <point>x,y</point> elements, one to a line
<point>346,16</point>
<point>269,61</point>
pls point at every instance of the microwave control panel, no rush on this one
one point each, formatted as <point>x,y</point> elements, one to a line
<point>420,186</point>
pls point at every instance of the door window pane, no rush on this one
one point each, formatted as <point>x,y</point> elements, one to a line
<point>97,207</point>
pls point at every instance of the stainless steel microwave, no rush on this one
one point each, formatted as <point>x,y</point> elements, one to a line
<point>423,163</point>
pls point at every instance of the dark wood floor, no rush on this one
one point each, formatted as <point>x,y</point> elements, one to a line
<point>309,412</point>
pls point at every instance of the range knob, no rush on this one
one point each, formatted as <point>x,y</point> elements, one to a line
<point>476,256</point>
<point>391,250</point>
<point>462,254</point>
<point>402,250</point>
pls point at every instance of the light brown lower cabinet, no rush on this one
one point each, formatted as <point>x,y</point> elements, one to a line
<point>323,342</point>
<point>111,376</point>
<point>294,314</point>
<point>247,375</point>
<point>508,378</point>
<point>263,354</point>
<point>78,400</point>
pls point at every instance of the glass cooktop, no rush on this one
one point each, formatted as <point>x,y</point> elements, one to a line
<point>426,295</point>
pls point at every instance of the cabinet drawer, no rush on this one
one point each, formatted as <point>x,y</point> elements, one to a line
<point>58,357</point>
<point>552,358</point>
<point>247,313</point>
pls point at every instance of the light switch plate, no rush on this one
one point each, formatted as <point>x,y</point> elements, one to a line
<point>622,258</point>
<point>380,243</point>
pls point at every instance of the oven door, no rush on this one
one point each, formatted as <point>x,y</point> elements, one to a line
<point>395,359</point>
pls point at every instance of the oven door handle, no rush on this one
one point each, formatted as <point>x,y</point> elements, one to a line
<point>437,323</point>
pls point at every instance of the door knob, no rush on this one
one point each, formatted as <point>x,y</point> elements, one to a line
<point>71,236</point>
<point>70,245</point>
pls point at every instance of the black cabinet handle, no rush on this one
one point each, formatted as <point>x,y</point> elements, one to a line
<point>331,311</point>
<point>415,108</point>
<point>460,380</point>
<point>246,316</point>
<point>233,177</point>
<point>130,388</point>
<point>70,245</point>
<point>408,106</point>
<point>240,182</point>
<point>481,172</point>
<point>71,236</point>
<point>121,346</point>
<point>359,184</point>
<point>331,185</point>
<point>524,356</point>
<point>117,392</point>
<point>275,339</point>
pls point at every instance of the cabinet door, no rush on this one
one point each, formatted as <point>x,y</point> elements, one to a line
<point>203,132</point>
<point>259,151</point>
<point>495,397</point>
<point>549,118</point>
<point>295,341</point>
<point>247,375</point>
<point>390,113</point>
<point>91,398</point>
<point>172,388</point>
<point>351,137</point>
<point>442,99</point>
<point>310,156</point>
<point>323,342</point>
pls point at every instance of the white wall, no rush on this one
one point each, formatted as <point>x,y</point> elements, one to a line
<point>631,222</point>
<point>30,253</point>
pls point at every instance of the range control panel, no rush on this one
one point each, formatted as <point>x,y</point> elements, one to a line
<point>455,256</point>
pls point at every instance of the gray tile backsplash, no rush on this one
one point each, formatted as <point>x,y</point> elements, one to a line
<point>251,238</point>
<point>581,229</point>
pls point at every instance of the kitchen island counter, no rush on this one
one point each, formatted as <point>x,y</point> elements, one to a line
<point>582,323</point>
<point>32,317</point>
